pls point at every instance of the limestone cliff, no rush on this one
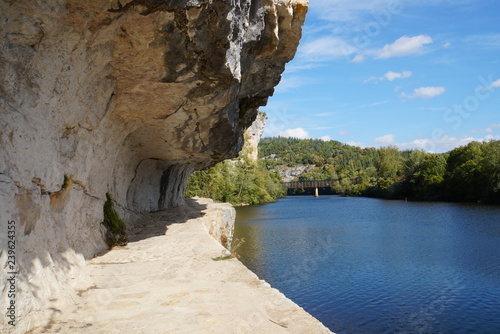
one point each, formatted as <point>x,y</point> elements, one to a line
<point>288,173</point>
<point>125,98</point>
<point>252,138</point>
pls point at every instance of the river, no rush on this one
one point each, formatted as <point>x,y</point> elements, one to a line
<point>363,265</point>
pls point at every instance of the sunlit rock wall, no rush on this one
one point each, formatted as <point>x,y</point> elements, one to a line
<point>123,98</point>
<point>252,137</point>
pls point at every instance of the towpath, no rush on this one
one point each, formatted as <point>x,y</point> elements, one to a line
<point>165,281</point>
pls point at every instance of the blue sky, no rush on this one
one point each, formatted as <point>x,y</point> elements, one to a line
<point>414,74</point>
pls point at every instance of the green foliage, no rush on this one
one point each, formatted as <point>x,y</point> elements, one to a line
<point>469,173</point>
<point>388,163</point>
<point>351,166</point>
<point>292,151</point>
<point>473,173</point>
<point>237,182</point>
<point>116,226</point>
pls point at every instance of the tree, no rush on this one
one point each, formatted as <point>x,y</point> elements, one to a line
<point>463,173</point>
<point>468,173</point>
<point>490,168</point>
<point>429,177</point>
<point>389,164</point>
<point>237,182</point>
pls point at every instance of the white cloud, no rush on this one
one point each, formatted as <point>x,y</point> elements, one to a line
<point>358,59</point>
<point>326,138</point>
<point>343,133</point>
<point>439,145</point>
<point>404,46</point>
<point>294,133</point>
<point>349,10</point>
<point>327,47</point>
<point>447,45</point>
<point>391,76</point>
<point>346,10</point>
<point>442,144</point>
<point>291,82</point>
<point>486,40</point>
<point>356,143</point>
<point>324,114</point>
<point>372,78</point>
<point>489,129</point>
<point>292,67</point>
<point>425,92</point>
<point>494,84</point>
<point>373,104</point>
<point>386,140</point>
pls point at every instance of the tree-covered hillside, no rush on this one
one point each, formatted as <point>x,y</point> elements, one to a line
<point>468,173</point>
<point>346,160</point>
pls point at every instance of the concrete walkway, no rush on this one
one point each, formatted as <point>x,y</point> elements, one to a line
<point>165,281</point>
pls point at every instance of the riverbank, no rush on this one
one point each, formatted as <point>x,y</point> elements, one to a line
<point>165,281</point>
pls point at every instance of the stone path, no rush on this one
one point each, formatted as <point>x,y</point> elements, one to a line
<point>165,281</point>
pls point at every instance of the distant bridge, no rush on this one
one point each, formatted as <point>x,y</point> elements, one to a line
<point>309,184</point>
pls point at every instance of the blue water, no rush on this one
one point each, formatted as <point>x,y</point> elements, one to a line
<point>363,265</point>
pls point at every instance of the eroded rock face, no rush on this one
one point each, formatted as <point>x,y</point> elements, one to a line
<point>252,137</point>
<point>127,99</point>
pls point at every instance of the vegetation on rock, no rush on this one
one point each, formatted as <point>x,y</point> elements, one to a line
<point>231,249</point>
<point>66,183</point>
<point>117,235</point>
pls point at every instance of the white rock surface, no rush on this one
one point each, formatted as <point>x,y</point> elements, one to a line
<point>127,102</point>
<point>289,173</point>
<point>252,138</point>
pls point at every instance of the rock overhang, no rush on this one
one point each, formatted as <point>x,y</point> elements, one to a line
<point>128,101</point>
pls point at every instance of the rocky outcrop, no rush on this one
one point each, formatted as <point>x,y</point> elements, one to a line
<point>252,137</point>
<point>288,174</point>
<point>126,98</point>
